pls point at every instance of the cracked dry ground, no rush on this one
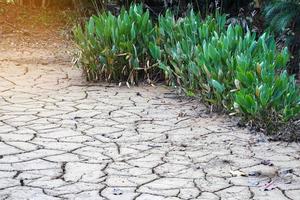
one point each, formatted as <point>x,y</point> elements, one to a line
<point>62,138</point>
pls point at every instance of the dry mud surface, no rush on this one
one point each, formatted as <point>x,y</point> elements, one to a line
<point>61,138</point>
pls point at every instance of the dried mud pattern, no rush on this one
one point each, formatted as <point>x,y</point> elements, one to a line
<point>62,138</point>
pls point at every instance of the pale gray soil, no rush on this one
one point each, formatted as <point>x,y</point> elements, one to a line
<point>62,138</point>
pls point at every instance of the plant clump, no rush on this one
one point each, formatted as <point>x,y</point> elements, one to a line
<point>115,48</point>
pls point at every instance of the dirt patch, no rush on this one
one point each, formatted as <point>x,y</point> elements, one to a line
<point>26,29</point>
<point>32,24</point>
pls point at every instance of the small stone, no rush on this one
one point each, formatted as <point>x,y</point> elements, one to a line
<point>22,182</point>
<point>285,171</point>
<point>266,162</point>
<point>254,173</point>
<point>117,191</point>
<point>288,178</point>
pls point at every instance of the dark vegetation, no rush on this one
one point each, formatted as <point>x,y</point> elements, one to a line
<point>284,19</point>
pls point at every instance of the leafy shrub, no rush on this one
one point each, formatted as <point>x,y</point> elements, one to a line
<point>115,47</point>
<point>179,41</point>
<point>228,68</point>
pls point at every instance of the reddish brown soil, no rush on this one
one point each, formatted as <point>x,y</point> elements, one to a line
<point>27,24</point>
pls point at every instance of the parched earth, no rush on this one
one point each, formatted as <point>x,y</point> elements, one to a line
<point>63,138</point>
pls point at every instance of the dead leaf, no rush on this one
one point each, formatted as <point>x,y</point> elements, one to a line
<point>237,173</point>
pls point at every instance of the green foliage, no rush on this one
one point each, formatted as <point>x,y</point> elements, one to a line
<point>116,48</point>
<point>180,41</point>
<point>229,69</point>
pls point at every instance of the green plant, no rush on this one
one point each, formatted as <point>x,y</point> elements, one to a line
<point>115,47</point>
<point>228,68</point>
<point>179,40</point>
<point>266,94</point>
